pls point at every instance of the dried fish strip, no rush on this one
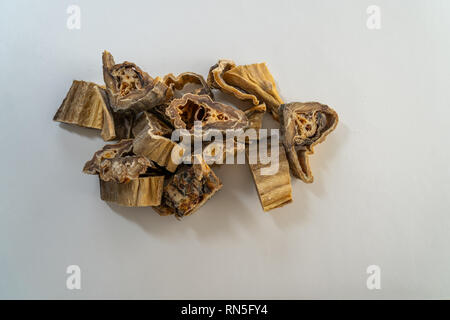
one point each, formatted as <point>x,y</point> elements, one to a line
<point>123,124</point>
<point>188,189</point>
<point>215,80</point>
<point>141,192</point>
<point>184,78</point>
<point>161,150</point>
<point>303,125</point>
<point>149,121</point>
<point>129,88</point>
<point>160,113</point>
<point>213,115</point>
<point>274,190</point>
<point>108,132</point>
<point>84,106</point>
<point>87,105</point>
<point>115,162</point>
<point>257,80</point>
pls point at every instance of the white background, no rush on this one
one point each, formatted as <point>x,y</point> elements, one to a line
<point>382,179</point>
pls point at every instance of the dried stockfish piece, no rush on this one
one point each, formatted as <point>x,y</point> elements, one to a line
<point>274,190</point>
<point>109,151</point>
<point>213,115</point>
<point>255,116</point>
<point>248,82</point>
<point>109,131</point>
<point>215,80</point>
<point>115,162</point>
<point>161,150</point>
<point>123,169</point>
<point>303,125</point>
<point>184,78</point>
<point>84,105</point>
<point>141,192</point>
<point>188,189</point>
<point>129,88</point>
<point>160,112</point>
<point>123,124</point>
<point>257,80</point>
<point>116,125</point>
<point>87,105</point>
<point>149,121</point>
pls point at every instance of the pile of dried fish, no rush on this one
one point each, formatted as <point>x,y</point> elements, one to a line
<point>140,112</point>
